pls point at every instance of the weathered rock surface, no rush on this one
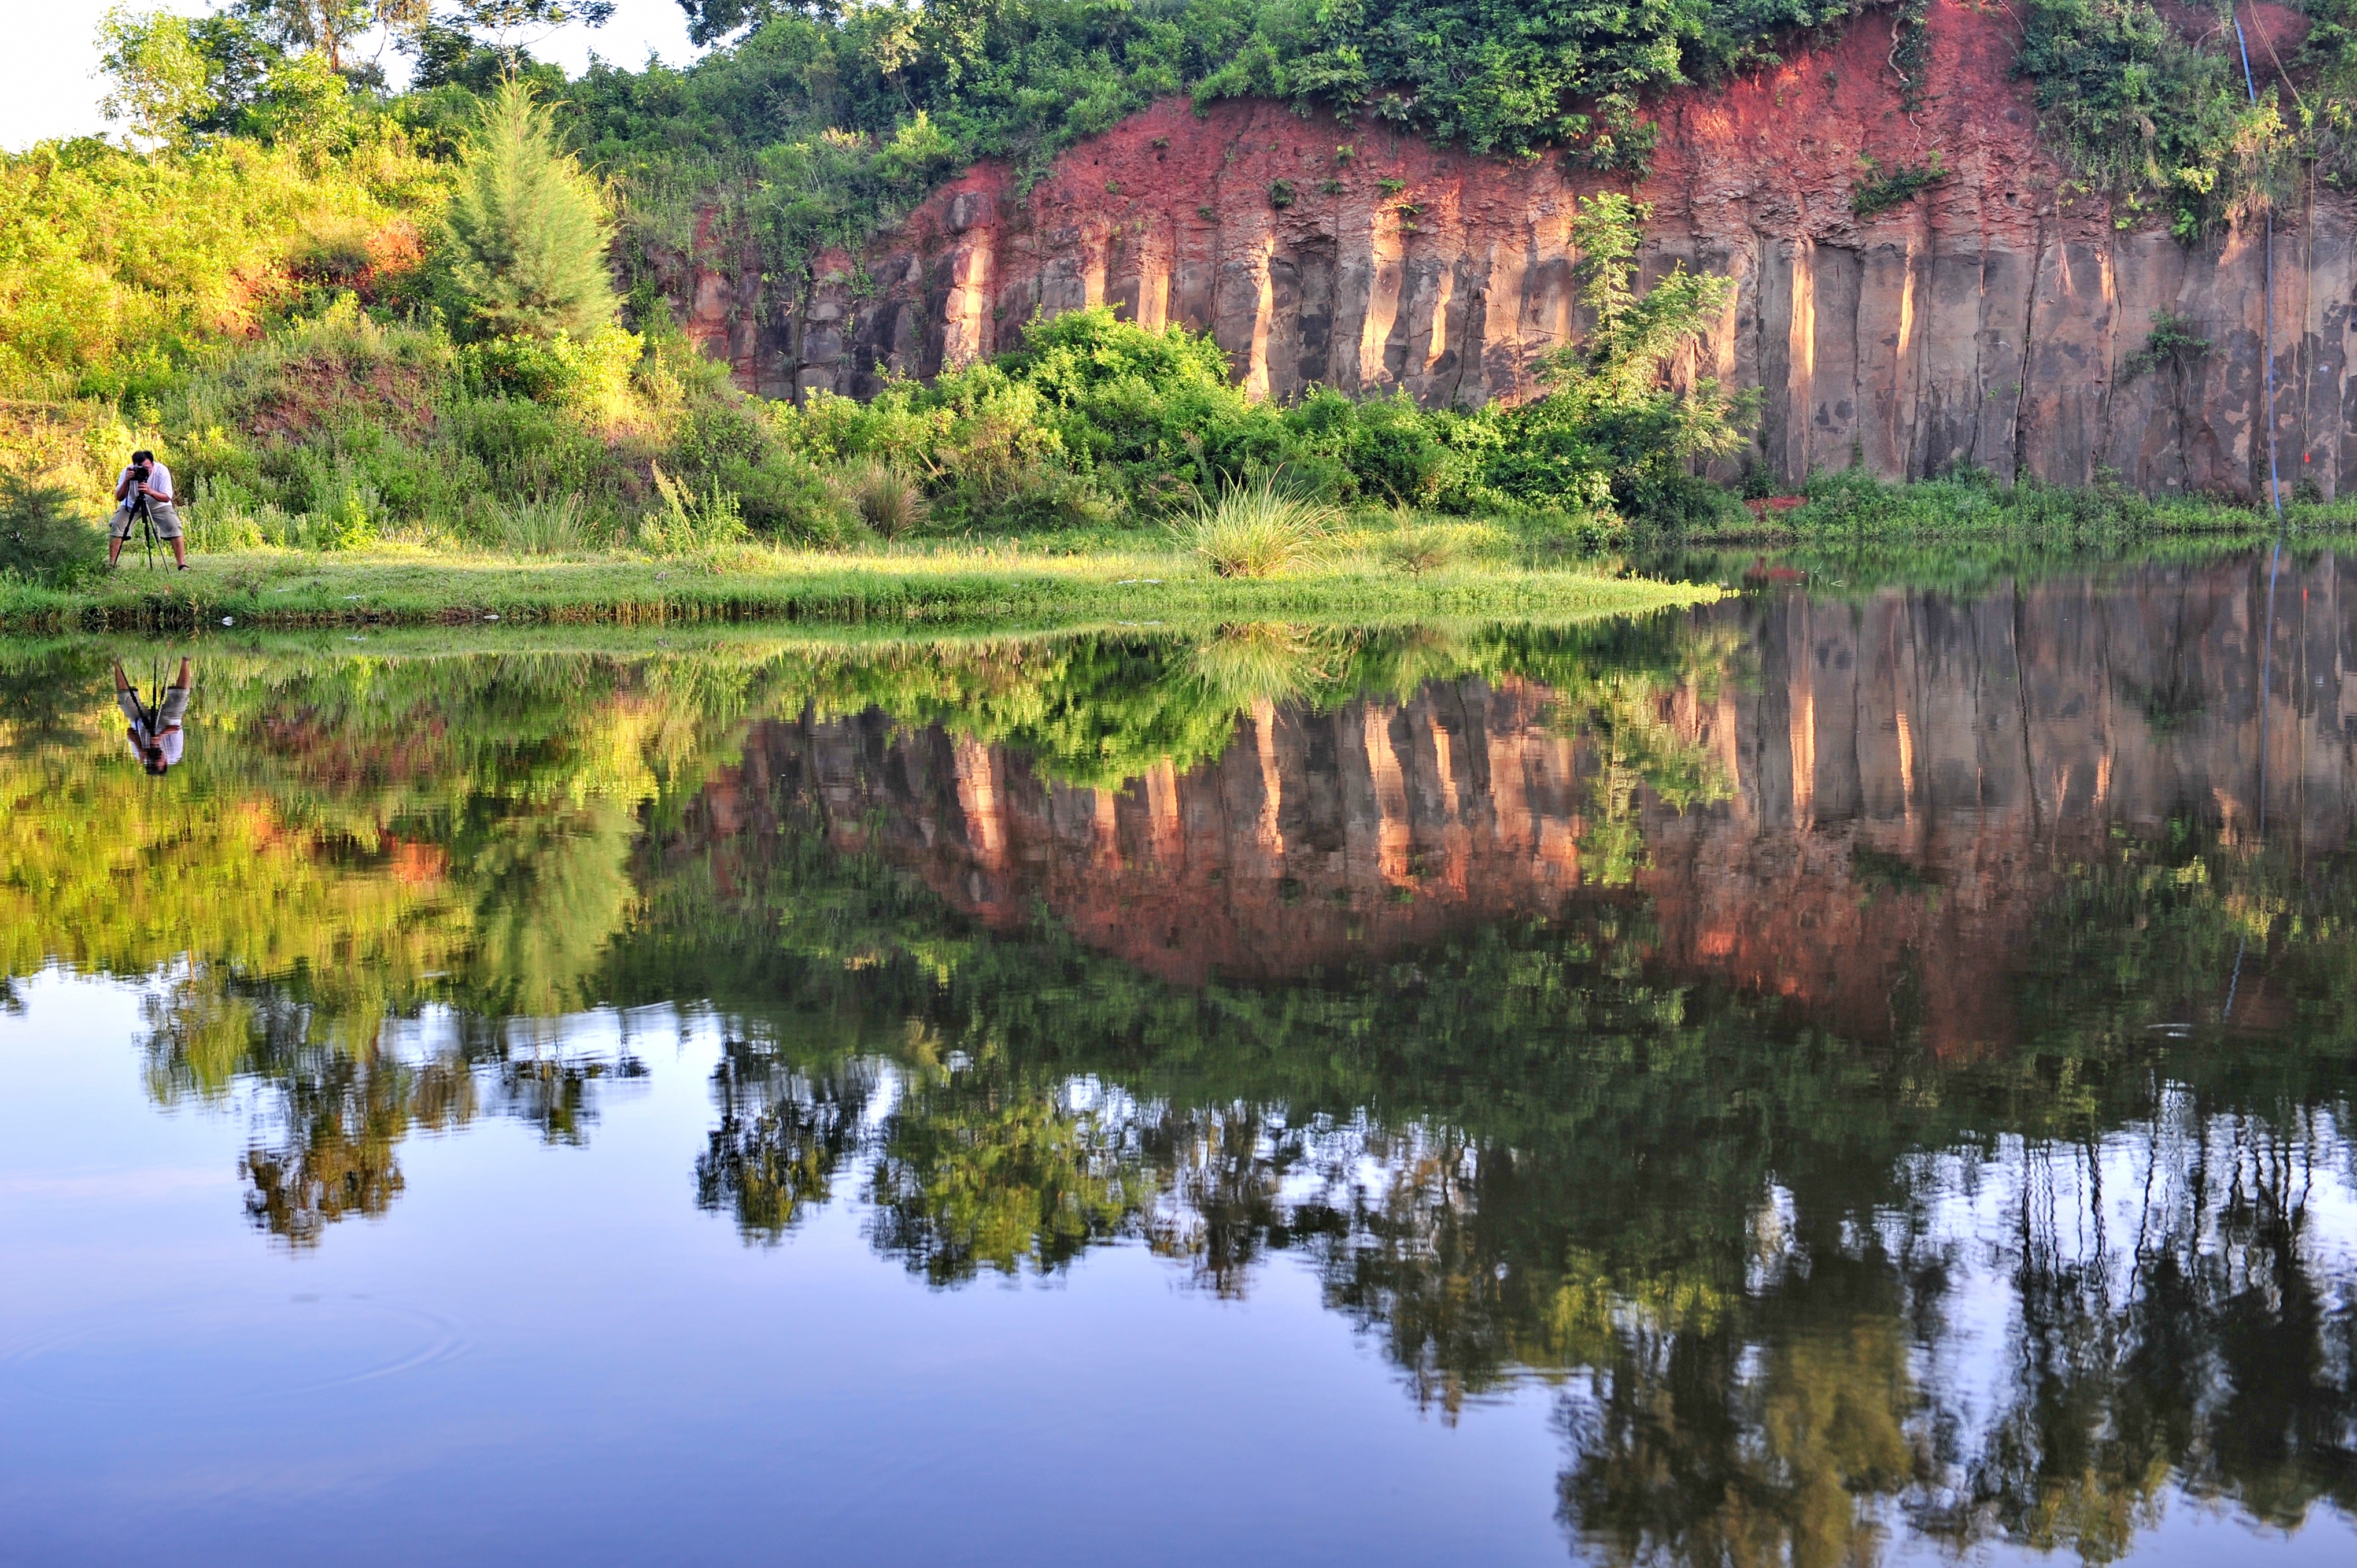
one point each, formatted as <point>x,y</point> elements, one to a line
<point>1991,321</point>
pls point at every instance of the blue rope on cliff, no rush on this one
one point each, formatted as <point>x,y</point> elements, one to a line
<point>2274,480</point>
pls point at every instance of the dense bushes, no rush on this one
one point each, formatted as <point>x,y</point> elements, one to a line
<point>116,267</point>
<point>1094,414</point>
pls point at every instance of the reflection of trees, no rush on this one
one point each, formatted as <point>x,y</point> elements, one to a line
<point>1776,1435</point>
<point>782,1136</point>
<point>337,1100</point>
<point>2211,1344</point>
<point>980,1170</point>
<point>1621,705</point>
<point>324,1151</point>
<point>1103,710</point>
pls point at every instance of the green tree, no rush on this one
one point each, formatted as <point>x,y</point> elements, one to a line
<point>160,82</point>
<point>329,28</point>
<point>526,235</point>
<point>509,26</point>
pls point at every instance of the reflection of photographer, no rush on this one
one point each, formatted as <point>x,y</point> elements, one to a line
<point>154,732</point>
<point>144,494</point>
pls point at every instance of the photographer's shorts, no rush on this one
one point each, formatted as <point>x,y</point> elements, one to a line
<point>167,516</point>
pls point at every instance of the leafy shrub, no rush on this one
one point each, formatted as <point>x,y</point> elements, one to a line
<point>786,497</point>
<point>43,539</point>
<point>1386,448</point>
<point>2171,341</point>
<point>1258,531</point>
<point>1879,189</point>
<point>349,514</point>
<point>220,515</point>
<point>523,448</point>
<point>592,374</point>
<point>1613,432</point>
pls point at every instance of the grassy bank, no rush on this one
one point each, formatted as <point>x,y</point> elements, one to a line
<point>1853,509</point>
<point>1004,587</point>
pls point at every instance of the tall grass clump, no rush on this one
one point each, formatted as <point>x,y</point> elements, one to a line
<point>1415,547</point>
<point>559,525</point>
<point>882,494</point>
<point>692,521</point>
<point>1259,530</point>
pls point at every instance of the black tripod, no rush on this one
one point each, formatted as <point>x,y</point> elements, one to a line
<point>145,519</point>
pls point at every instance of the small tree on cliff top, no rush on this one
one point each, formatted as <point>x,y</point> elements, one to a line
<point>1613,432</point>
<point>525,236</point>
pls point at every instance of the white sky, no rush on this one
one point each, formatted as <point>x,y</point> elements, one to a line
<point>48,59</point>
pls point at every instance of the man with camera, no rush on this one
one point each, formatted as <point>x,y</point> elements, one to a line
<point>144,490</point>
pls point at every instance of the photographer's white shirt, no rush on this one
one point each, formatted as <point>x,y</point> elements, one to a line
<point>159,477</point>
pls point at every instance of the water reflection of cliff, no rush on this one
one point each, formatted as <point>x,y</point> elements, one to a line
<point>1881,794</point>
<point>1379,824</point>
<point>1915,771</point>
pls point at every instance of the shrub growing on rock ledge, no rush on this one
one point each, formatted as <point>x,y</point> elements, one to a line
<point>1615,432</point>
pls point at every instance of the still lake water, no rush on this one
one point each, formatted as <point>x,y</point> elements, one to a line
<point>1842,1075</point>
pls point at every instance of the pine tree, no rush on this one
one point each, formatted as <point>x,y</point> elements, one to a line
<point>526,235</point>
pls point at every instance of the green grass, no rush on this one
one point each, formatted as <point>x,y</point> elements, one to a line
<point>1257,531</point>
<point>1851,507</point>
<point>959,586</point>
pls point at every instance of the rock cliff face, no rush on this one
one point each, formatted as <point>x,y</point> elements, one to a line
<point>1991,321</point>
<point>1906,780</point>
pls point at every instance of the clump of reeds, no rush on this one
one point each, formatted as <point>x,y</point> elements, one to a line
<point>1259,530</point>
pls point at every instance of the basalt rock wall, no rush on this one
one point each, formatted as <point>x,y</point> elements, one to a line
<point>1992,320</point>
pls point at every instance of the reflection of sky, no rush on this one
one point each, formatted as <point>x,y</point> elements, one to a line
<point>549,1354</point>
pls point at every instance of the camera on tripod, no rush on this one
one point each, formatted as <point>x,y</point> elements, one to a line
<point>137,509</point>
